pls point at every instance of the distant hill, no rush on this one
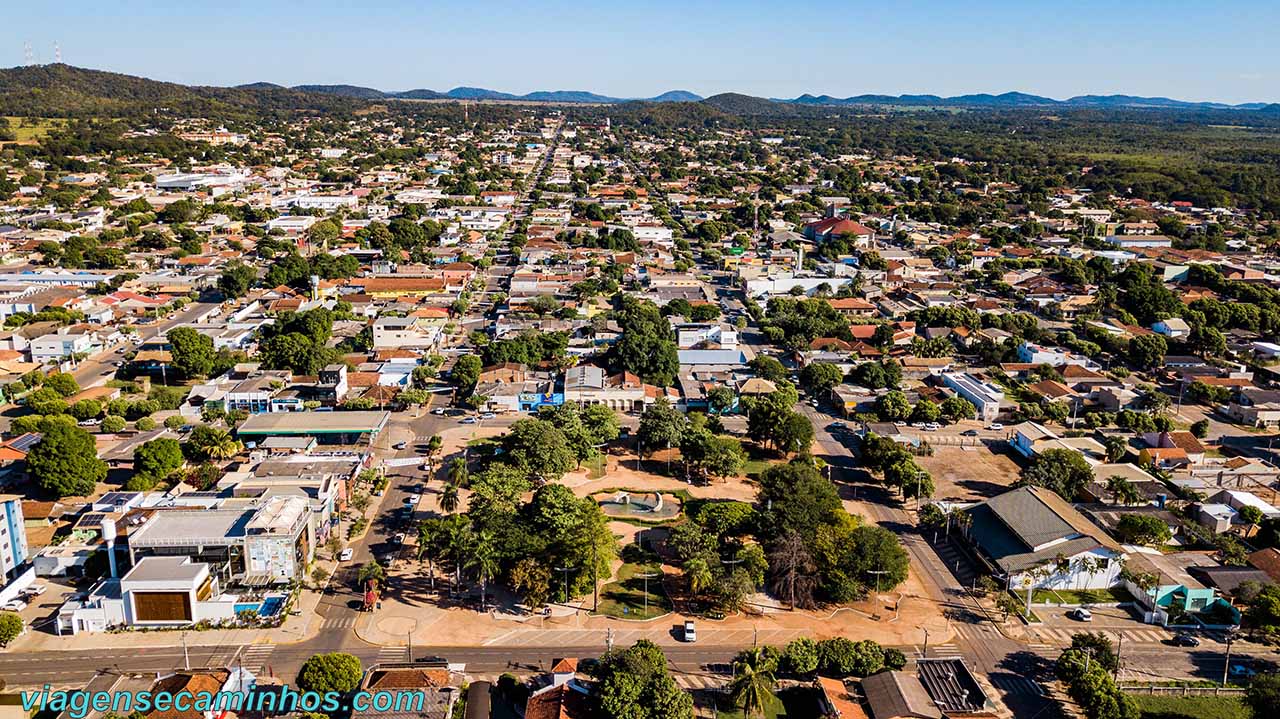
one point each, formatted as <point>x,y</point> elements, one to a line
<point>1020,99</point>
<point>420,94</point>
<point>567,96</point>
<point>739,104</point>
<point>478,93</point>
<point>61,90</point>
<point>676,96</point>
<point>366,93</point>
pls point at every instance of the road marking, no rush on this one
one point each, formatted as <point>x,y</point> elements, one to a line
<point>254,658</point>
<point>393,654</point>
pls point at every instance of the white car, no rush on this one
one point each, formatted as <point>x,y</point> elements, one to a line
<point>995,426</point>
<point>932,426</point>
<point>488,415</point>
<point>469,420</point>
<point>346,555</point>
<point>438,410</point>
<point>15,605</point>
<point>1081,615</point>
<point>690,632</point>
<point>399,538</point>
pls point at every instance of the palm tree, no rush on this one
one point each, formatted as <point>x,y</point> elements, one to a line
<point>429,535</point>
<point>219,444</point>
<point>752,687</point>
<point>485,561</point>
<point>449,498</point>
<point>1123,490</point>
<point>458,474</point>
<point>457,542</point>
<point>698,571</point>
<point>370,571</point>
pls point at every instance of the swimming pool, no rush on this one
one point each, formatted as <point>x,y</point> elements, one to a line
<point>271,606</point>
<point>268,607</point>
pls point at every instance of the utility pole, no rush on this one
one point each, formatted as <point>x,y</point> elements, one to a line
<point>924,654</point>
<point>408,643</point>
<point>1226,665</point>
<point>1119,648</point>
<point>186,658</point>
<point>595,578</point>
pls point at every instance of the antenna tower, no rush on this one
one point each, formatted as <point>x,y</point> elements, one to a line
<point>57,52</point>
<point>28,57</point>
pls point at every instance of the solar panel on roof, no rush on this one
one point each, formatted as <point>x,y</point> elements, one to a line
<point>93,518</point>
<point>26,441</point>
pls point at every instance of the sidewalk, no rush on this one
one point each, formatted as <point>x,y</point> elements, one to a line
<point>295,629</point>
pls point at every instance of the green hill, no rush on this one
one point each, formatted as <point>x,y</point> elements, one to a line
<point>66,91</point>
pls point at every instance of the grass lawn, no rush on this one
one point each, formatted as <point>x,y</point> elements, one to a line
<point>1173,707</point>
<point>625,597</point>
<point>595,467</point>
<point>1084,596</point>
<point>30,129</point>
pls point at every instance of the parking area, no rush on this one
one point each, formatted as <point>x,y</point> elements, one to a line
<point>41,610</point>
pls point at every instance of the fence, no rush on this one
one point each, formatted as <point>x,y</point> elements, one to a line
<point>1201,691</point>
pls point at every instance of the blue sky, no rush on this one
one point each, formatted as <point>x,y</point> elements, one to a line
<point>1224,50</point>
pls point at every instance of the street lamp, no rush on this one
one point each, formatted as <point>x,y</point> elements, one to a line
<point>565,571</point>
<point>646,577</point>
<point>877,572</point>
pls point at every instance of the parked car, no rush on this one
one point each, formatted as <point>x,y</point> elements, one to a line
<point>15,605</point>
<point>1184,640</point>
<point>346,555</point>
<point>400,445</point>
<point>469,420</point>
<point>932,426</point>
<point>1080,614</point>
<point>995,426</point>
<point>89,422</point>
<point>969,433</point>
<point>438,411</point>
<point>399,538</point>
<point>690,632</point>
<point>488,415</point>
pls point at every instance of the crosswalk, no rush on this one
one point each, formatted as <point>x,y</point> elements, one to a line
<point>686,681</point>
<point>1062,636</point>
<point>345,621</point>
<point>255,656</point>
<point>941,651</point>
<point>976,632</point>
<point>1014,684</point>
<point>387,655</point>
<point>224,657</point>
<point>694,682</point>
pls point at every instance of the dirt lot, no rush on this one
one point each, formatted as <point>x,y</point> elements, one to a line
<point>970,473</point>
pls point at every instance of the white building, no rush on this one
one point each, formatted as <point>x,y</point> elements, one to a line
<point>156,592</point>
<point>986,397</point>
<point>327,203</point>
<point>61,345</point>
<point>1133,242</point>
<point>13,535</point>
<point>292,224</point>
<point>406,332</point>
